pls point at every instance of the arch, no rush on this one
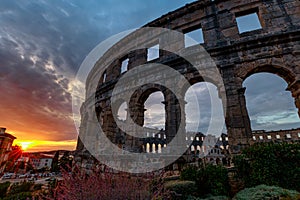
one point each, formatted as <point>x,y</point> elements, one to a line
<point>263,107</point>
<point>208,96</point>
<point>153,108</point>
<point>283,72</point>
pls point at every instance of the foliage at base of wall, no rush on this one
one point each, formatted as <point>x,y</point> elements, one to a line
<point>181,188</point>
<point>19,191</point>
<point>263,192</point>
<point>271,164</point>
<point>209,179</point>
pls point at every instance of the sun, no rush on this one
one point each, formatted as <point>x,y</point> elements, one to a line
<point>25,145</point>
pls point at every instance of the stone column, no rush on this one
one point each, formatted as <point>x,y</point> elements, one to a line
<point>175,121</point>
<point>237,118</point>
<point>137,115</point>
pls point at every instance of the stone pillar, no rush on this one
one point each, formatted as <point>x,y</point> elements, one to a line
<point>175,122</point>
<point>237,119</point>
<point>171,111</point>
<point>137,115</point>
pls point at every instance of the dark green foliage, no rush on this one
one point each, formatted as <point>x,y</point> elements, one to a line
<point>270,164</point>
<point>54,165</point>
<point>262,192</point>
<point>20,187</point>
<point>184,188</point>
<point>65,162</point>
<point>19,196</point>
<point>3,188</point>
<point>209,198</point>
<point>190,173</point>
<point>213,180</point>
<point>209,179</point>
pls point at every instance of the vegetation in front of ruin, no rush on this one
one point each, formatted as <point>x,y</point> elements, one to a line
<point>264,192</point>
<point>209,179</point>
<point>18,191</point>
<point>275,164</point>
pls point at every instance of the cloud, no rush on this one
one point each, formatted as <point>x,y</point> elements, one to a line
<point>270,107</point>
<point>42,44</point>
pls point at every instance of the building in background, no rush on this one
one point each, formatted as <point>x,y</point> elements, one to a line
<point>41,161</point>
<point>6,141</point>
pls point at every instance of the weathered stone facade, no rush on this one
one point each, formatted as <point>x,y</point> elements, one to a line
<point>289,136</point>
<point>6,141</point>
<point>274,48</point>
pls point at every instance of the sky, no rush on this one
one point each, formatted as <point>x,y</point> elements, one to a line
<point>43,43</point>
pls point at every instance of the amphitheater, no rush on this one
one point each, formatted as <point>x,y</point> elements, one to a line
<point>274,47</point>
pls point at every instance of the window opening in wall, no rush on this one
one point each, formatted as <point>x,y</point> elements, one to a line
<point>153,52</point>
<point>277,136</point>
<point>196,35</point>
<point>124,65</point>
<point>248,22</point>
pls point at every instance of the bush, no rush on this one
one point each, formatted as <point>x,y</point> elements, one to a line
<point>184,188</point>
<point>270,164</point>
<point>19,196</point>
<point>3,188</point>
<point>190,173</point>
<point>262,192</point>
<point>210,179</point>
<point>21,187</point>
<point>209,198</point>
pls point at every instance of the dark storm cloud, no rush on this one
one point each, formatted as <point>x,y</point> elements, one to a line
<point>42,44</point>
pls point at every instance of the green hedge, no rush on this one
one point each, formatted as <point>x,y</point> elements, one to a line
<point>3,188</point>
<point>184,188</point>
<point>263,192</point>
<point>209,179</point>
<point>270,164</point>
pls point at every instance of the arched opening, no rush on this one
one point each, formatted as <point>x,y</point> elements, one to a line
<point>205,117</point>
<point>201,115</point>
<point>269,105</point>
<point>154,116</point>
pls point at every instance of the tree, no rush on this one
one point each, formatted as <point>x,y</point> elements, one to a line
<point>270,164</point>
<point>65,161</point>
<point>54,165</point>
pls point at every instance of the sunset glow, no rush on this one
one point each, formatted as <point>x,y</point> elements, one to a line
<point>41,145</point>
<point>25,145</point>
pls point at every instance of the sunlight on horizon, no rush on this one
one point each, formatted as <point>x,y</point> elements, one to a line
<point>43,145</point>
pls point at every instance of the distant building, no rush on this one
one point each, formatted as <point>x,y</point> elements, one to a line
<point>289,136</point>
<point>40,161</point>
<point>6,141</point>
